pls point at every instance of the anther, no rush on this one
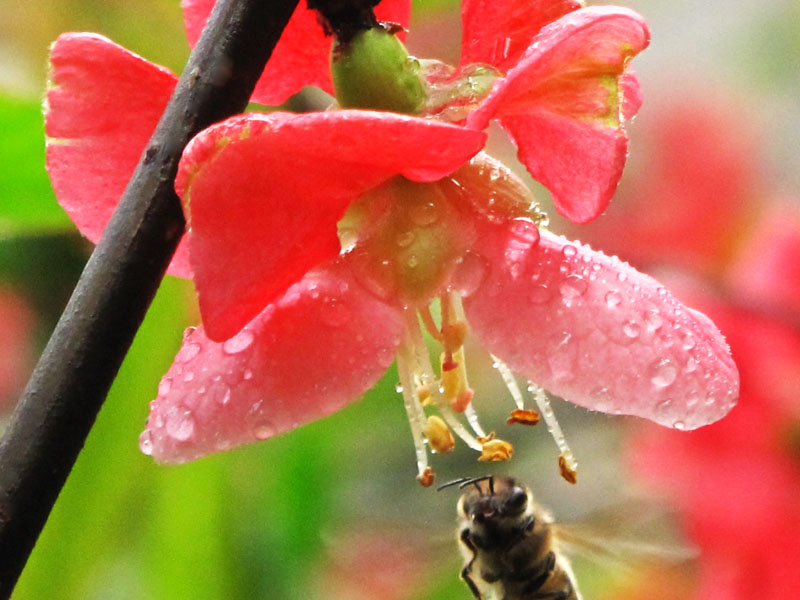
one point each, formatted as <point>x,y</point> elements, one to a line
<point>426,477</point>
<point>424,395</point>
<point>523,417</point>
<point>453,335</point>
<point>495,449</point>
<point>439,436</point>
<point>567,472</point>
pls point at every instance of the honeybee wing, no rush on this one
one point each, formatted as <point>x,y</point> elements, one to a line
<point>627,537</point>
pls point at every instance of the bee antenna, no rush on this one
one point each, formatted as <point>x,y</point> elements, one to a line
<point>476,480</point>
<point>460,482</point>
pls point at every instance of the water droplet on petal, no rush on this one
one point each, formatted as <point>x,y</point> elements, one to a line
<point>562,357</point>
<point>613,298</point>
<point>572,287</point>
<point>263,430</point>
<point>180,425</point>
<point>663,373</point>
<point>469,274</point>
<point>241,341</point>
<point>164,386</point>
<point>631,329</point>
<point>663,409</point>
<point>653,319</point>
<point>247,375</point>
<point>603,400</point>
<point>146,442</point>
<point>689,342</point>
<point>679,425</point>
<point>222,394</point>
<point>569,251</point>
<point>187,353</point>
<point>189,376</point>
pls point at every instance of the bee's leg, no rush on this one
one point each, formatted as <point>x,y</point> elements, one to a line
<point>466,572</point>
<point>537,578</point>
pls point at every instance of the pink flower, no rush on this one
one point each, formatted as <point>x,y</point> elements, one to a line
<point>585,326</point>
<point>317,240</point>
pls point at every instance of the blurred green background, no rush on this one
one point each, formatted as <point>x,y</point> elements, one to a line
<point>331,510</point>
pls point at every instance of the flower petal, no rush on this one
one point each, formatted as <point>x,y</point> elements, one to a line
<point>102,106</point>
<point>263,194</point>
<point>599,333</point>
<point>302,55</point>
<point>565,102</point>
<point>498,32</point>
<point>319,347</point>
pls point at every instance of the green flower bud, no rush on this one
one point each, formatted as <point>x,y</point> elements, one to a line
<point>374,71</point>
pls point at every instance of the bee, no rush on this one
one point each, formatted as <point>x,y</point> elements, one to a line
<point>509,543</point>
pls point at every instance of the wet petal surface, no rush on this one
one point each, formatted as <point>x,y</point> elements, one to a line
<point>498,32</point>
<point>319,347</point>
<point>258,222</point>
<point>102,106</point>
<point>565,102</point>
<point>598,333</point>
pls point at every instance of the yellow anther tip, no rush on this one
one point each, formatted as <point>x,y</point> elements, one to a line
<point>424,395</point>
<point>495,450</point>
<point>439,436</point>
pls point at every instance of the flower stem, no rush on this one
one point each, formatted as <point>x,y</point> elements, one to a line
<point>73,376</point>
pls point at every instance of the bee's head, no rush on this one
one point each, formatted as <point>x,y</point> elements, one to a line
<point>493,501</point>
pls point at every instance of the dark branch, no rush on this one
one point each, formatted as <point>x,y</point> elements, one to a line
<point>345,18</point>
<point>75,372</point>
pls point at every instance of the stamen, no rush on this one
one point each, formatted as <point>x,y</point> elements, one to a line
<point>416,416</point>
<point>429,323</point>
<point>568,466</point>
<point>422,360</point>
<point>465,396</point>
<point>510,381</point>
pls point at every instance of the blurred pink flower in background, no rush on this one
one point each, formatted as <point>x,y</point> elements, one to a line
<point>17,322</point>
<point>702,210</point>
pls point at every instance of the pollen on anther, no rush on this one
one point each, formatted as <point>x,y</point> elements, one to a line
<point>438,435</point>
<point>424,395</point>
<point>567,471</point>
<point>523,417</point>
<point>496,450</point>
<point>426,477</point>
